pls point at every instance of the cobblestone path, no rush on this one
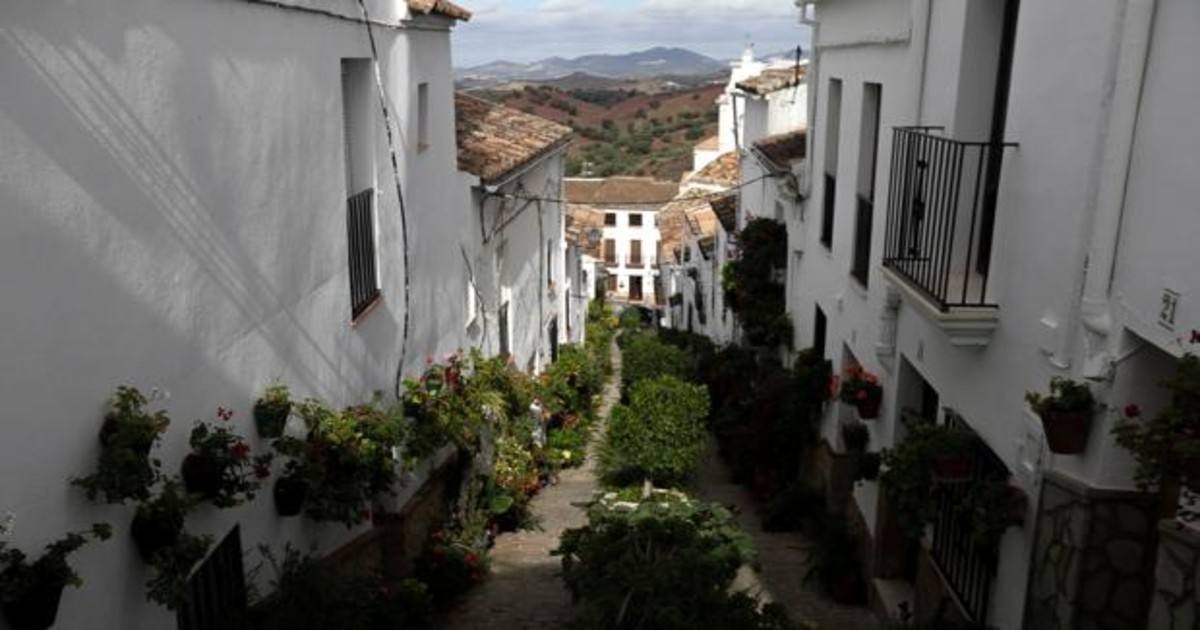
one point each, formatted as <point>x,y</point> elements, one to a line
<point>524,591</point>
<point>782,557</point>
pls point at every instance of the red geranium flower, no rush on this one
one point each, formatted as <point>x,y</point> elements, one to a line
<point>1132,410</point>
<point>472,560</point>
<point>239,451</point>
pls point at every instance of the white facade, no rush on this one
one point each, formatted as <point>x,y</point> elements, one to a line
<point>1094,230</point>
<point>633,264</point>
<point>174,178</point>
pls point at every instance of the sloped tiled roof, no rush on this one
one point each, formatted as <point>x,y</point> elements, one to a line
<point>773,80</point>
<point>783,149</point>
<point>582,219</point>
<point>724,171</point>
<point>494,140</point>
<point>726,211</point>
<point>674,223</point>
<point>439,7</point>
<point>618,190</point>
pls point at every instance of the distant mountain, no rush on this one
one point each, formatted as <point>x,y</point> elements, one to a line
<point>647,63</point>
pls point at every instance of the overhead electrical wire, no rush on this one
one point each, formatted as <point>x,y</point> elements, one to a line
<point>712,196</point>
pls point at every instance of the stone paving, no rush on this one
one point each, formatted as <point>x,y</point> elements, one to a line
<point>525,592</point>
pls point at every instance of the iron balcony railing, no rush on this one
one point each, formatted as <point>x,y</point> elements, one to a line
<point>364,278</point>
<point>969,569</point>
<point>935,226</point>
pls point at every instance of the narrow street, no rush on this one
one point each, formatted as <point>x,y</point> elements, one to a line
<point>524,590</point>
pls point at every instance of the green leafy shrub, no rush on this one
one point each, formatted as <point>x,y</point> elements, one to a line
<point>908,478</point>
<point>645,357</point>
<point>570,384</point>
<point>1167,446</point>
<point>25,584</point>
<point>753,286</point>
<point>308,595</point>
<point>660,435</point>
<point>664,562</point>
<point>125,469</point>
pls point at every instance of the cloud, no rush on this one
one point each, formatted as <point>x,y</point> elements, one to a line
<point>527,30</point>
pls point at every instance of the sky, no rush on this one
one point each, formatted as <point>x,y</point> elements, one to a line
<point>529,30</point>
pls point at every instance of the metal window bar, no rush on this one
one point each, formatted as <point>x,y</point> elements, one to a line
<point>934,223</point>
<point>364,278</point>
<point>861,267</point>
<point>216,592</point>
<point>969,571</point>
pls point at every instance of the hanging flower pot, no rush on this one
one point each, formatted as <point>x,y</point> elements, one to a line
<point>154,532</point>
<point>289,496</point>
<point>868,409</point>
<point>949,468</point>
<point>270,417</point>
<point>1066,432</point>
<point>36,609</point>
<point>1066,415</point>
<point>202,475</point>
<point>862,390</point>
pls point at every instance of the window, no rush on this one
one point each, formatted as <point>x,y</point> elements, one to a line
<point>635,220</point>
<point>635,253</point>
<point>867,162</point>
<point>553,332</point>
<point>422,117</point>
<point>611,283</point>
<point>358,120</point>
<point>610,219</point>
<point>635,288</point>
<point>820,326</point>
<point>215,596</point>
<point>504,343</point>
<point>550,263</point>
<point>833,120</point>
<point>610,252</point>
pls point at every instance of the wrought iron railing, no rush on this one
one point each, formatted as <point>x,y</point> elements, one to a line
<point>969,570</point>
<point>364,278</point>
<point>935,228</point>
<point>215,595</point>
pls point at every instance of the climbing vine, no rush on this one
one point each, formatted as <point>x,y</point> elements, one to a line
<point>753,283</point>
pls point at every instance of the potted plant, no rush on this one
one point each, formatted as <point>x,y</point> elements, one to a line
<point>855,437</point>
<point>862,390</point>
<point>1167,445</point>
<point>125,469</point>
<point>950,454</point>
<point>866,466</point>
<point>289,494</point>
<point>219,468</point>
<point>1066,414</point>
<point>159,520</point>
<point>989,508</point>
<point>30,591</point>
<point>271,411</point>
<point>172,566</point>
<point>837,564</point>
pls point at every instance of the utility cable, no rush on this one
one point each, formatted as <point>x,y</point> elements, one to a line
<point>387,122</point>
<point>712,196</point>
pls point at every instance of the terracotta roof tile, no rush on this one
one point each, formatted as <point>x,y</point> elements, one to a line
<point>494,140</point>
<point>774,79</point>
<point>674,224</point>
<point>726,211</point>
<point>783,149</point>
<point>620,190</point>
<point>439,7</point>
<point>723,171</point>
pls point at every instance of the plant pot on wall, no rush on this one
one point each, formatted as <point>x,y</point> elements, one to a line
<point>153,534</point>
<point>36,610</point>
<point>202,475</point>
<point>270,418</point>
<point>289,496</point>
<point>1066,432</point>
<point>868,409</point>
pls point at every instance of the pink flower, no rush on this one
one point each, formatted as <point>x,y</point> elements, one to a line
<point>239,451</point>
<point>861,395</point>
<point>1132,410</point>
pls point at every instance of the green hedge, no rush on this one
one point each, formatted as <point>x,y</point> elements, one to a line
<point>645,357</point>
<point>663,561</point>
<point>660,435</point>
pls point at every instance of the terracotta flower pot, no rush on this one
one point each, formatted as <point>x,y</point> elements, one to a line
<point>868,409</point>
<point>202,475</point>
<point>289,496</point>
<point>270,419</point>
<point>152,535</point>
<point>1066,432</point>
<point>950,468</point>
<point>36,610</point>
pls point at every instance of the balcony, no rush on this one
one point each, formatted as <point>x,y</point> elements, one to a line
<point>939,232</point>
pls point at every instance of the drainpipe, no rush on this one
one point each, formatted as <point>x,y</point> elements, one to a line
<point>1127,82</point>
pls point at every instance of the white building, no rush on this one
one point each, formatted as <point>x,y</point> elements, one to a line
<point>204,198</point>
<point>1002,193</point>
<point>629,249</point>
<point>518,302</point>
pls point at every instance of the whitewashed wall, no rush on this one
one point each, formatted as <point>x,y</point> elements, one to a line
<point>173,194</point>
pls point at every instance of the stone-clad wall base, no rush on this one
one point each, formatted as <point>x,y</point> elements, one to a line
<point>1177,578</point>
<point>1093,559</point>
